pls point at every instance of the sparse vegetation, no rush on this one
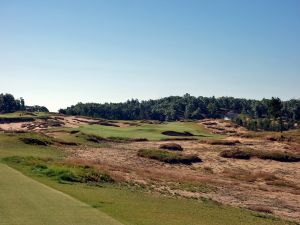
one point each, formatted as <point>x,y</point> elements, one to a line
<point>168,157</point>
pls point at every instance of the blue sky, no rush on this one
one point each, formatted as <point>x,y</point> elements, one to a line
<point>58,52</point>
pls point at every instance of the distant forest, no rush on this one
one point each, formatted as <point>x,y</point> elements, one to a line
<point>266,114</point>
<point>9,104</point>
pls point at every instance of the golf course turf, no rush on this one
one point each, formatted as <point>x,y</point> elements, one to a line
<point>27,202</point>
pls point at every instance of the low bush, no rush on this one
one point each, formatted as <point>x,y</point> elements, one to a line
<point>235,153</point>
<point>168,157</point>
<point>277,156</point>
<point>171,146</point>
<point>265,155</point>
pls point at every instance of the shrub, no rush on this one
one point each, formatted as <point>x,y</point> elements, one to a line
<point>171,146</point>
<point>95,176</point>
<point>168,157</point>
<point>236,154</point>
<point>277,156</point>
<point>68,175</point>
<point>265,155</point>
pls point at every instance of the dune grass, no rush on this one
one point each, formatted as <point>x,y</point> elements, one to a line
<point>149,131</point>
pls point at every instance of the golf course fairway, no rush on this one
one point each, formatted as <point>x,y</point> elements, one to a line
<point>25,201</point>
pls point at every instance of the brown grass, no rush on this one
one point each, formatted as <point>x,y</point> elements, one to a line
<point>248,176</point>
<point>220,142</point>
<point>261,209</point>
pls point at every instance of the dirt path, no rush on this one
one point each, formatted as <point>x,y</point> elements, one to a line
<point>24,201</point>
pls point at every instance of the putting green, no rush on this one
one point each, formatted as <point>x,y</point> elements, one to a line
<point>24,201</point>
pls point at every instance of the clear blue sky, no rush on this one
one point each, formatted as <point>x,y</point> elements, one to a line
<point>58,52</point>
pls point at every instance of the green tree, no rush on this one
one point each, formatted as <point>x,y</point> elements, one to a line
<point>275,111</point>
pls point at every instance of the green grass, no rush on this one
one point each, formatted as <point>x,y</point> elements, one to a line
<point>60,171</point>
<point>24,115</point>
<point>25,201</point>
<point>11,145</point>
<point>135,207</point>
<point>148,131</point>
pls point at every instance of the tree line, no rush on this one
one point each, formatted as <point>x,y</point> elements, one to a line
<point>9,104</point>
<point>246,112</point>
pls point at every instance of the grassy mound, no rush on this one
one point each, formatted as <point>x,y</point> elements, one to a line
<point>171,146</point>
<point>168,157</point>
<point>265,155</point>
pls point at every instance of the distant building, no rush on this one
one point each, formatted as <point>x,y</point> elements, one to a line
<point>230,115</point>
